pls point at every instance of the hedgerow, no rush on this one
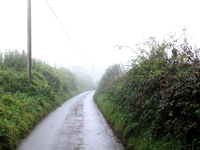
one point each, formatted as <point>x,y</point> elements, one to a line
<point>24,104</point>
<point>160,93</point>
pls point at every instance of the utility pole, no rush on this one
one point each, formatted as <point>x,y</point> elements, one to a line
<point>93,71</point>
<point>29,59</point>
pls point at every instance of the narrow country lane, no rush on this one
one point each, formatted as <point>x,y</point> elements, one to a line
<point>76,125</point>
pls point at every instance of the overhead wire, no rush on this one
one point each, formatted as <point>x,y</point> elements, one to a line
<point>71,39</point>
<point>67,33</point>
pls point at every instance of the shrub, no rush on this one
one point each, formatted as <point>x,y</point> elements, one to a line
<point>160,92</point>
<point>23,104</point>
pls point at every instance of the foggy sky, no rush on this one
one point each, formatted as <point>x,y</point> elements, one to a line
<point>94,27</point>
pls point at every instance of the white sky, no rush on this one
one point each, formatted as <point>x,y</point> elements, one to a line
<point>95,26</point>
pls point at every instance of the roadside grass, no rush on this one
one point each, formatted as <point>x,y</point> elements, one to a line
<point>112,112</point>
<point>24,104</point>
<point>144,141</point>
<point>18,117</point>
<point>117,118</point>
<point>19,113</point>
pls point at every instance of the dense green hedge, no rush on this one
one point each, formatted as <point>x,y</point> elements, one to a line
<point>23,104</point>
<point>117,117</point>
<point>160,92</point>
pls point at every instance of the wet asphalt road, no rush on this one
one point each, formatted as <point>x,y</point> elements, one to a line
<point>76,125</point>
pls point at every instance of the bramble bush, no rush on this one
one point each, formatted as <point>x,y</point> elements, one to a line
<point>161,92</point>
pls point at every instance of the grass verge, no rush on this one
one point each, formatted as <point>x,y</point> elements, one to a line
<point>117,118</point>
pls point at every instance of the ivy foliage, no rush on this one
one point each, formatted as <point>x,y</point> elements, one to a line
<point>160,92</point>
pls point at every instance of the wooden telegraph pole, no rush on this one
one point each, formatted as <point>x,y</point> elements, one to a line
<point>93,72</point>
<point>29,59</point>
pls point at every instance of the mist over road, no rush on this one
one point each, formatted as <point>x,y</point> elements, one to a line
<point>76,125</point>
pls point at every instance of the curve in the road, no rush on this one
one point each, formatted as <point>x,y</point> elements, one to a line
<point>76,125</point>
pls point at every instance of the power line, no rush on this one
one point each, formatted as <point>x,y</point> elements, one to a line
<point>93,64</point>
<point>66,32</point>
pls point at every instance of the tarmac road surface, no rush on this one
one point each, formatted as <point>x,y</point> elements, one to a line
<point>76,125</point>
